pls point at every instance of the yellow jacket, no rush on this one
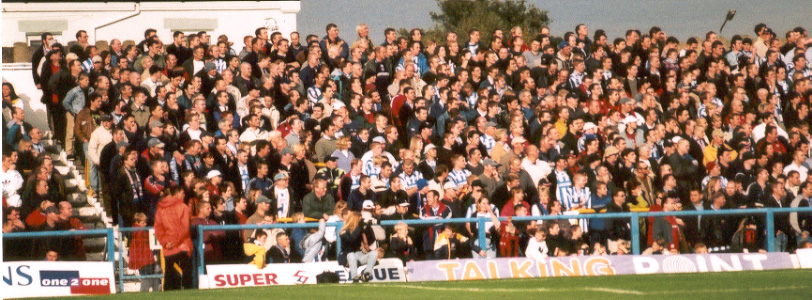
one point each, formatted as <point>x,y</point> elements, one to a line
<point>711,153</point>
<point>257,251</point>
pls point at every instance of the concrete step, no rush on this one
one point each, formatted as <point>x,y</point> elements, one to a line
<point>96,256</point>
<point>77,198</point>
<point>95,244</point>
<point>62,168</point>
<point>91,218</point>
<point>88,211</point>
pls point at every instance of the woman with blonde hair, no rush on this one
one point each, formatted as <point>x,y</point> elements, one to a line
<point>300,173</point>
<point>345,156</point>
<point>416,145</point>
<point>330,232</point>
<point>253,195</point>
<point>355,237</point>
<point>501,147</point>
<point>714,185</point>
<point>540,208</point>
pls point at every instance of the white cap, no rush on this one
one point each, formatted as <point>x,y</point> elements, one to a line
<point>338,104</point>
<point>368,204</point>
<point>213,173</point>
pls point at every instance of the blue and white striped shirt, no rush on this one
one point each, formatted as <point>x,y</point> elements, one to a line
<point>487,141</point>
<point>575,197</point>
<point>563,184</point>
<point>370,169</point>
<point>410,181</point>
<point>576,79</point>
<point>314,95</point>
<point>459,177</point>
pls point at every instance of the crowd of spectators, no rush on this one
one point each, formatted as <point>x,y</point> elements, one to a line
<point>199,132</point>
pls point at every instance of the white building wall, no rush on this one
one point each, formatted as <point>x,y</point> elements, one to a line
<point>19,75</point>
<point>235,19</point>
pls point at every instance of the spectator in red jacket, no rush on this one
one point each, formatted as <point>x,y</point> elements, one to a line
<point>172,230</point>
<point>141,257</point>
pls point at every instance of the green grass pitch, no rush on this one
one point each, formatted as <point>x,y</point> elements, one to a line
<point>781,284</point>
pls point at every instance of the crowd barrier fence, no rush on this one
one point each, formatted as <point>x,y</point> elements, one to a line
<point>111,235</point>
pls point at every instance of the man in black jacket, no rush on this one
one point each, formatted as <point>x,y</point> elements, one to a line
<point>782,227</point>
<point>695,225</point>
<point>683,165</point>
<point>47,39</point>
<point>59,84</point>
<point>231,245</point>
<point>281,252</point>
<point>717,228</point>
<point>618,230</point>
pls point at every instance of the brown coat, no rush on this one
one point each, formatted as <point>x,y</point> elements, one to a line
<point>85,125</point>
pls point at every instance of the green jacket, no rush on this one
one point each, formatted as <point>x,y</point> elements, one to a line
<point>312,207</point>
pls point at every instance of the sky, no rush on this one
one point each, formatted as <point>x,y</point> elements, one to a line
<point>682,19</point>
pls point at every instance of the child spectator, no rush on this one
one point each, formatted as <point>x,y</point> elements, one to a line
<point>141,256</point>
<point>255,249</point>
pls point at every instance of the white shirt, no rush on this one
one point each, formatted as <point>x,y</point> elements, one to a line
<point>252,134</point>
<point>282,202</point>
<point>801,170</point>
<point>536,250</point>
<point>537,170</point>
<point>194,134</point>
<point>12,181</point>
<point>197,66</point>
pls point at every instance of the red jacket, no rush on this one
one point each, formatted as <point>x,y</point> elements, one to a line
<point>140,254</point>
<point>172,225</point>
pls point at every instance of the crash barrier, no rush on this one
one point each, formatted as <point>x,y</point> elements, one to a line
<point>636,266</point>
<point>124,272</point>
<point>75,278</point>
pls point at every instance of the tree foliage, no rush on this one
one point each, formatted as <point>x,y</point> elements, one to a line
<point>461,16</point>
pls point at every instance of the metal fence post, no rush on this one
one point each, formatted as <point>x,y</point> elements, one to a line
<point>770,231</point>
<point>338,240</point>
<point>200,248</point>
<point>111,246</point>
<point>482,236</point>
<point>121,265</point>
<point>635,226</point>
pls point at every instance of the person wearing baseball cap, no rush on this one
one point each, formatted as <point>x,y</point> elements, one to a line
<point>331,172</point>
<point>518,144</point>
<point>610,151</point>
<point>487,139</point>
<point>99,138</point>
<point>51,218</point>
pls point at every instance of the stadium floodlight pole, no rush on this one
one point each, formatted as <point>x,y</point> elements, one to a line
<point>730,14</point>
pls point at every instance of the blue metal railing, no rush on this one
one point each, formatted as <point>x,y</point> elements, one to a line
<point>108,232</point>
<point>200,245</point>
<point>633,217</point>
<point>121,274</point>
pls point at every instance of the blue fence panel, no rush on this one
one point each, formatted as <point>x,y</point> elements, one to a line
<point>768,213</point>
<point>121,268</point>
<point>108,232</point>
<point>201,269</point>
